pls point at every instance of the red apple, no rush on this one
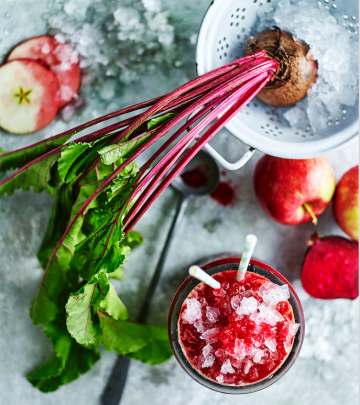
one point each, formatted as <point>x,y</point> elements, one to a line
<point>331,268</point>
<point>62,59</point>
<point>293,191</point>
<point>27,96</point>
<point>346,203</point>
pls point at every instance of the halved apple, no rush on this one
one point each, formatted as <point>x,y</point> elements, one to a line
<point>28,96</point>
<point>61,58</point>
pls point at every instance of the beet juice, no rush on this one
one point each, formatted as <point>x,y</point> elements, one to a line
<point>241,334</point>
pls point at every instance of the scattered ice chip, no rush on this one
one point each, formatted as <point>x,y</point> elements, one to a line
<point>212,314</point>
<point>247,306</point>
<point>268,315</point>
<point>220,378</point>
<point>272,293</point>
<point>271,344</point>
<point>247,366</point>
<point>227,367</point>
<point>235,301</point>
<point>192,311</point>
<point>211,335</point>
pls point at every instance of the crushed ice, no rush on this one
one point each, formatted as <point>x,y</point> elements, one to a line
<point>290,330</point>
<point>247,306</point>
<point>271,344</point>
<point>272,293</point>
<point>211,335</point>
<point>220,378</point>
<point>227,368</point>
<point>212,314</point>
<point>207,357</point>
<point>193,310</point>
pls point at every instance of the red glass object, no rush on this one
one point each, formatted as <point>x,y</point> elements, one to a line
<point>229,333</point>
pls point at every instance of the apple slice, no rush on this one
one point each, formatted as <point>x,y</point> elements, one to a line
<point>28,92</point>
<point>61,58</point>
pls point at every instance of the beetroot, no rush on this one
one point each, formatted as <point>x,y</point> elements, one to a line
<point>331,268</point>
<point>298,69</point>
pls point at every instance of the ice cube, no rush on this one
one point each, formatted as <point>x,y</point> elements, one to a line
<point>200,327</point>
<point>272,293</point>
<point>208,361</point>
<point>235,301</point>
<point>227,368</point>
<point>296,117</point>
<point>211,335</point>
<point>212,314</point>
<point>271,344</point>
<point>289,330</point>
<point>268,315</point>
<point>207,349</point>
<point>235,362</point>
<point>247,306</point>
<point>192,311</point>
<point>257,354</point>
<point>240,348</point>
<point>220,378</point>
<point>247,366</point>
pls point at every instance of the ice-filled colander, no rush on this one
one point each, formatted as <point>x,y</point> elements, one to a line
<point>226,27</point>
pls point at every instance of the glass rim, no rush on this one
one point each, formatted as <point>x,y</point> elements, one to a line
<point>190,283</point>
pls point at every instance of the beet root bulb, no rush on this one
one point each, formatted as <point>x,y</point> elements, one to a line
<point>298,69</point>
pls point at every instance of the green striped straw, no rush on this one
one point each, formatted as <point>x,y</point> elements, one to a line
<point>200,274</point>
<point>249,247</point>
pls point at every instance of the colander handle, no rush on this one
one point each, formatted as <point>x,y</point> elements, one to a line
<point>224,163</point>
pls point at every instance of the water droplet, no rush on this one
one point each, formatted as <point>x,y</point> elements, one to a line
<point>45,16</point>
<point>344,117</point>
<point>334,6</point>
<point>344,111</point>
<point>329,123</point>
<point>346,17</point>
<point>337,122</point>
<point>7,15</point>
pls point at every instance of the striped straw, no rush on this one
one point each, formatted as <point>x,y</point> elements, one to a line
<point>200,274</point>
<point>249,247</point>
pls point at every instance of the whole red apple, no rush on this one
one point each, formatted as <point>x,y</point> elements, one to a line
<point>346,203</point>
<point>293,191</point>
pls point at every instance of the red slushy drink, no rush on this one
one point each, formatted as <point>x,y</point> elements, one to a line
<point>238,334</point>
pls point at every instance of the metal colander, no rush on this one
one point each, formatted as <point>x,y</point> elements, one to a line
<point>226,27</point>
